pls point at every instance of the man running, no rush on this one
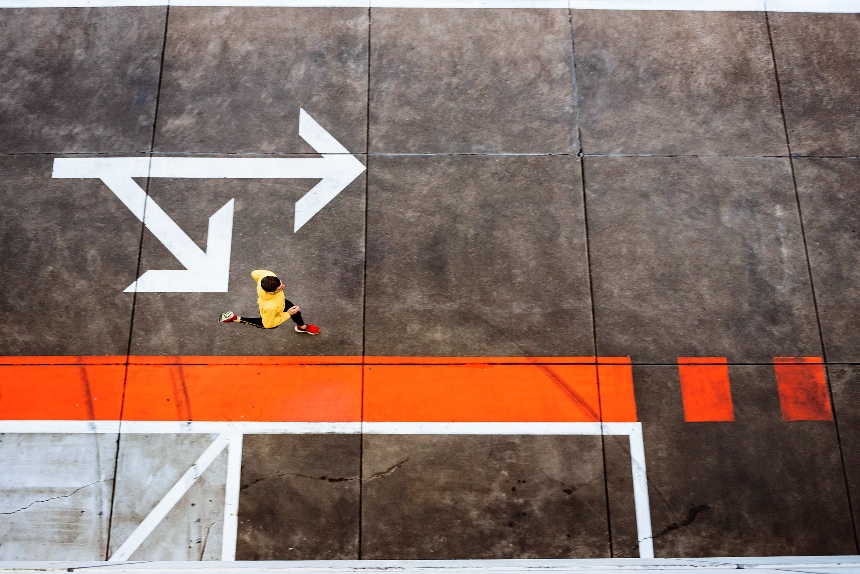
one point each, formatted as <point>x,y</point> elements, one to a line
<point>274,307</point>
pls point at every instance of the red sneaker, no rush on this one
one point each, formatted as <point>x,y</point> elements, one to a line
<point>228,317</point>
<point>309,329</point>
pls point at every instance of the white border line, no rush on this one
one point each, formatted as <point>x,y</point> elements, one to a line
<point>166,504</point>
<point>230,435</point>
<point>819,6</point>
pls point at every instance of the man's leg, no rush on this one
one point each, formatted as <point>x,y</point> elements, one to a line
<point>297,318</point>
<point>301,326</point>
<point>255,321</point>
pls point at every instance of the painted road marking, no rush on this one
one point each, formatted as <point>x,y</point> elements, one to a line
<point>705,389</point>
<point>802,385</point>
<point>166,504</point>
<point>317,389</point>
<point>209,271</point>
<point>231,434</point>
<point>825,6</point>
<point>328,390</point>
<point>507,392</point>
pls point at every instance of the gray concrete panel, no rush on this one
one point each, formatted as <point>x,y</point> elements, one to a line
<point>831,218</point>
<point>67,245</point>
<point>300,497</point>
<point>674,82</point>
<point>235,78</point>
<point>619,490</point>
<point>476,256</point>
<point>55,495</point>
<point>698,257</point>
<point>79,80</point>
<point>471,81</point>
<point>758,486</point>
<point>322,266</point>
<point>148,466</point>
<point>818,58</point>
<point>447,497</point>
<point>845,384</point>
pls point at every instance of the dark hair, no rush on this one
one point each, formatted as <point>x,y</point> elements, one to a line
<point>270,283</point>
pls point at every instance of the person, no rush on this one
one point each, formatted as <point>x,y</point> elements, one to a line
<point>274,307</point>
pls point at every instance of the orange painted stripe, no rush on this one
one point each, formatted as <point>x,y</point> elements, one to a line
<point>706,389</point>
<point>245,360</point>
<point>802,385</point>
<point>316,389</point>
<point>482,392</point>
<point>617,400</point>
<point>259,393</point>
<point>489,360</point>
<point>61,392</point>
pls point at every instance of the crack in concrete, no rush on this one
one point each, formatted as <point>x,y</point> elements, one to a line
<point>297,475</point>
<point>691,517</point>
<point>387,471</point>
<point>74,492</point>
<point>205,540</point>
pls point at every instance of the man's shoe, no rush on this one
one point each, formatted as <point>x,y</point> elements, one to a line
<point>309,329</point>
<point>228,317</point>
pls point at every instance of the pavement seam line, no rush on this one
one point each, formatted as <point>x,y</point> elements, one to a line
<point>812,283</point>
<point>134,295</point>
<point>581,158</point>
<point>364,293</point>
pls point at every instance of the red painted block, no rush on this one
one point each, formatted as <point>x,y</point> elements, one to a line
<point>706,389</point>
<point>802,387</point>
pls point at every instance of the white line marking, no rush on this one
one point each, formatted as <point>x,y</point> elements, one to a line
<point>228,430</point>
<point>640,493</point>
<point>161,509</point>
<point>821,6</point>
<point>176,427</point>
<point>484,428</point>
<point>209,271</point>
<point>231,498</point>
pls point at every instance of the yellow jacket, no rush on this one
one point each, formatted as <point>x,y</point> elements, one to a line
<point>271,304</point>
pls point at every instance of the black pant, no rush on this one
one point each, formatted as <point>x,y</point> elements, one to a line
<point>258,322</point>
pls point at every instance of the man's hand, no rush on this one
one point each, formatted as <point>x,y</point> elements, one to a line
<point>293,310</point>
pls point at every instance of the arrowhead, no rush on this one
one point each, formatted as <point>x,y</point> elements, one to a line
<point>344,166</point>
<point>208,273</point>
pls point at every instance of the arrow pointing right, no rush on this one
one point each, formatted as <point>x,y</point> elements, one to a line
<point>210,271</point>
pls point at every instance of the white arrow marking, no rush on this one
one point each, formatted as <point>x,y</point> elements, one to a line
<point>210,271</point>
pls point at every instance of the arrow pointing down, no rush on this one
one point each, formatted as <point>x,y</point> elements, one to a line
<point>210,271</point>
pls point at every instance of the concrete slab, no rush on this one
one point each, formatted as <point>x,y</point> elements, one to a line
<point>827,188</point>
<point>673,82</point>
<point>322,266</point>
<point>754,486</point>
<point>147,468</point>
<point>300,497</point>
<point>697,257</point>
<point>620,499</point>
<point>845,385</point>
<point>447,497</point>
<point>235,78</point>
<point>471,81</point>
<point>818,58</point>
<point>476,256</point>
<point>67,245</point>
<point>79,80</point>
<point>53,515</point>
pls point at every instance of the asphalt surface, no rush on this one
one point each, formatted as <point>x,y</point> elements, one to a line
<point>539,184</point>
